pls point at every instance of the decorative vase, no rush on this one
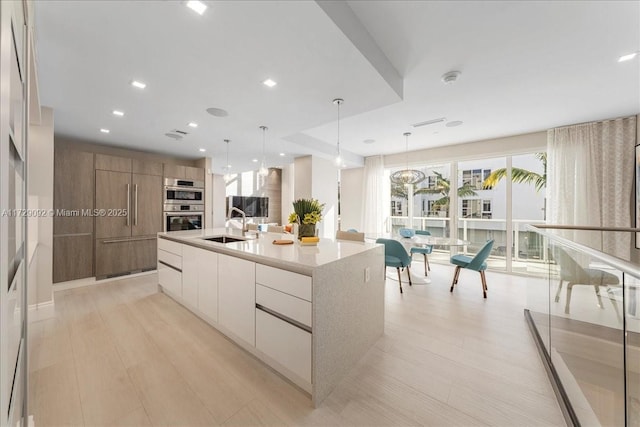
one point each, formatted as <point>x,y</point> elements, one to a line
<point>306,230</point>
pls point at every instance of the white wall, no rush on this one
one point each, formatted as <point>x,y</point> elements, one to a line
<point>351,199</point>
<point>317,178</point>
<point>219,198</point>
<point>517,144</point>
<point>287,191</point>
<point>325,189</point>
<point>40,191</point>
<point>302,181</point>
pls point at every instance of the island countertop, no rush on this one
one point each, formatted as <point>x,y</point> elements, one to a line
<point>259,247</point>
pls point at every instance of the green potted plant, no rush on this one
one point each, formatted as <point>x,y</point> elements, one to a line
<point>306,213</point>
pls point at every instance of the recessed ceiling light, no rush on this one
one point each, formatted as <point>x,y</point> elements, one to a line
<point>627,57</point>
<point>217,112</point>
<point>202,150</point>
<point>453,124</point>
<point>269,83</point>
<point>197,6</point>
<point>254,160</point>
<point>104,130</point>
<point>228,166</point>
<point>369,141</point>
<point>118,113</point>
<point>193,125</point>
<point>138,84</point>
<point>282,154</point>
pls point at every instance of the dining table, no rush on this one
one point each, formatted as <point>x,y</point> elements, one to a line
<point>417,240</point>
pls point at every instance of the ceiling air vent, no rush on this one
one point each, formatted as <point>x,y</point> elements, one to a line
<point>181,132</point>
<point>429,122</point>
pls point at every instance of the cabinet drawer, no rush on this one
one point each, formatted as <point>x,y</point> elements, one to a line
<point>170,279</point>
<point>284,281</point>
<point>285,304</point>
<point>169,258</point>
<point>286,344</point>
<point>170,246</point>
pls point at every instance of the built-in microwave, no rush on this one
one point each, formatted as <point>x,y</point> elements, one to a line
<point>184,220</point>
<point>181,191</point>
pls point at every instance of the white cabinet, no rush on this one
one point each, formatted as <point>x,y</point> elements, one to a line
<point>200,280</point>
<point>237,297</point>
<point>170,266</point>
<point>285,343</point>
<point>283,330</point>
<point>190,262</point>
<point>284,281</point>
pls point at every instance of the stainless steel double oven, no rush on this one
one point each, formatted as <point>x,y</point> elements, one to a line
<point>183,204</point>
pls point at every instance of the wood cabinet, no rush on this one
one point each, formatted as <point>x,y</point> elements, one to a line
<point>236,297</point>
<point>146,204</point>
<point>74,191</point>
<point>183,172</point>
<point>129,213</point>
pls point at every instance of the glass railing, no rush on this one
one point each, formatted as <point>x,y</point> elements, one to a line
<point>582,308</point>
<point>525,249</point>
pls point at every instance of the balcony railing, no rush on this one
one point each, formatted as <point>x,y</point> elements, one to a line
<point>524,249</point>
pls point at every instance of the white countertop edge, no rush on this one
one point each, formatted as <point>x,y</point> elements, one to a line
<point>330,246</point>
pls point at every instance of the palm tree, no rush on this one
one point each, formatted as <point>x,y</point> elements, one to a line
<point>519,176</point>
<point>442,187</point>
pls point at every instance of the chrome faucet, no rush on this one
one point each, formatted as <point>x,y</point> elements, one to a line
<point>244,218</point>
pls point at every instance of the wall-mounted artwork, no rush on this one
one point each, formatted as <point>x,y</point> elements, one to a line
<point>637,195</point>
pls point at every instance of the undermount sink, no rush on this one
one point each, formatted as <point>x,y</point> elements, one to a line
<point>224,239</point>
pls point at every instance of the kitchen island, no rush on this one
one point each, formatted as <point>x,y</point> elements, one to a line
<point>309,312</point>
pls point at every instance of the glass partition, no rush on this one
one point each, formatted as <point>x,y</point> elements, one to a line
<point>583,304</point>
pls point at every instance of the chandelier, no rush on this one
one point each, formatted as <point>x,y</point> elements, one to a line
<point>407,176</point>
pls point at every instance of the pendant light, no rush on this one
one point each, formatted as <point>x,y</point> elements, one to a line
<point>407,176</point>
<point>227,168</point>
<point>338,102</point>
<point>263,167</point>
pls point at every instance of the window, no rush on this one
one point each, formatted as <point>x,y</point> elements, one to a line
<point>476,208</point>
<point>475,177</point>
<point>396,208</point>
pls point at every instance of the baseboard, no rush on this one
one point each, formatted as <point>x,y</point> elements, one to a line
<point>41,311</point>
<point>90,281</point>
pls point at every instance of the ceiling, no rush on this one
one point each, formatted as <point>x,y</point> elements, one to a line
<point>526,66</point>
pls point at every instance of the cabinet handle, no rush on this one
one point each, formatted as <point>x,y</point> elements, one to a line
<point>169,265</point>
<point>135,194</point>
<point>129,239</point>
<point>282,317</point>
<point>128,203</point>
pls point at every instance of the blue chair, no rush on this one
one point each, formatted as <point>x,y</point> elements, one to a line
<point>424,250</point>
<point>352,230</point>
<point>477,263</point>
<point>396,256</point>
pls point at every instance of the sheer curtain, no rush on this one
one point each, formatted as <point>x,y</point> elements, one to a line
<point>590,180</point>
<point>374,196</point>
